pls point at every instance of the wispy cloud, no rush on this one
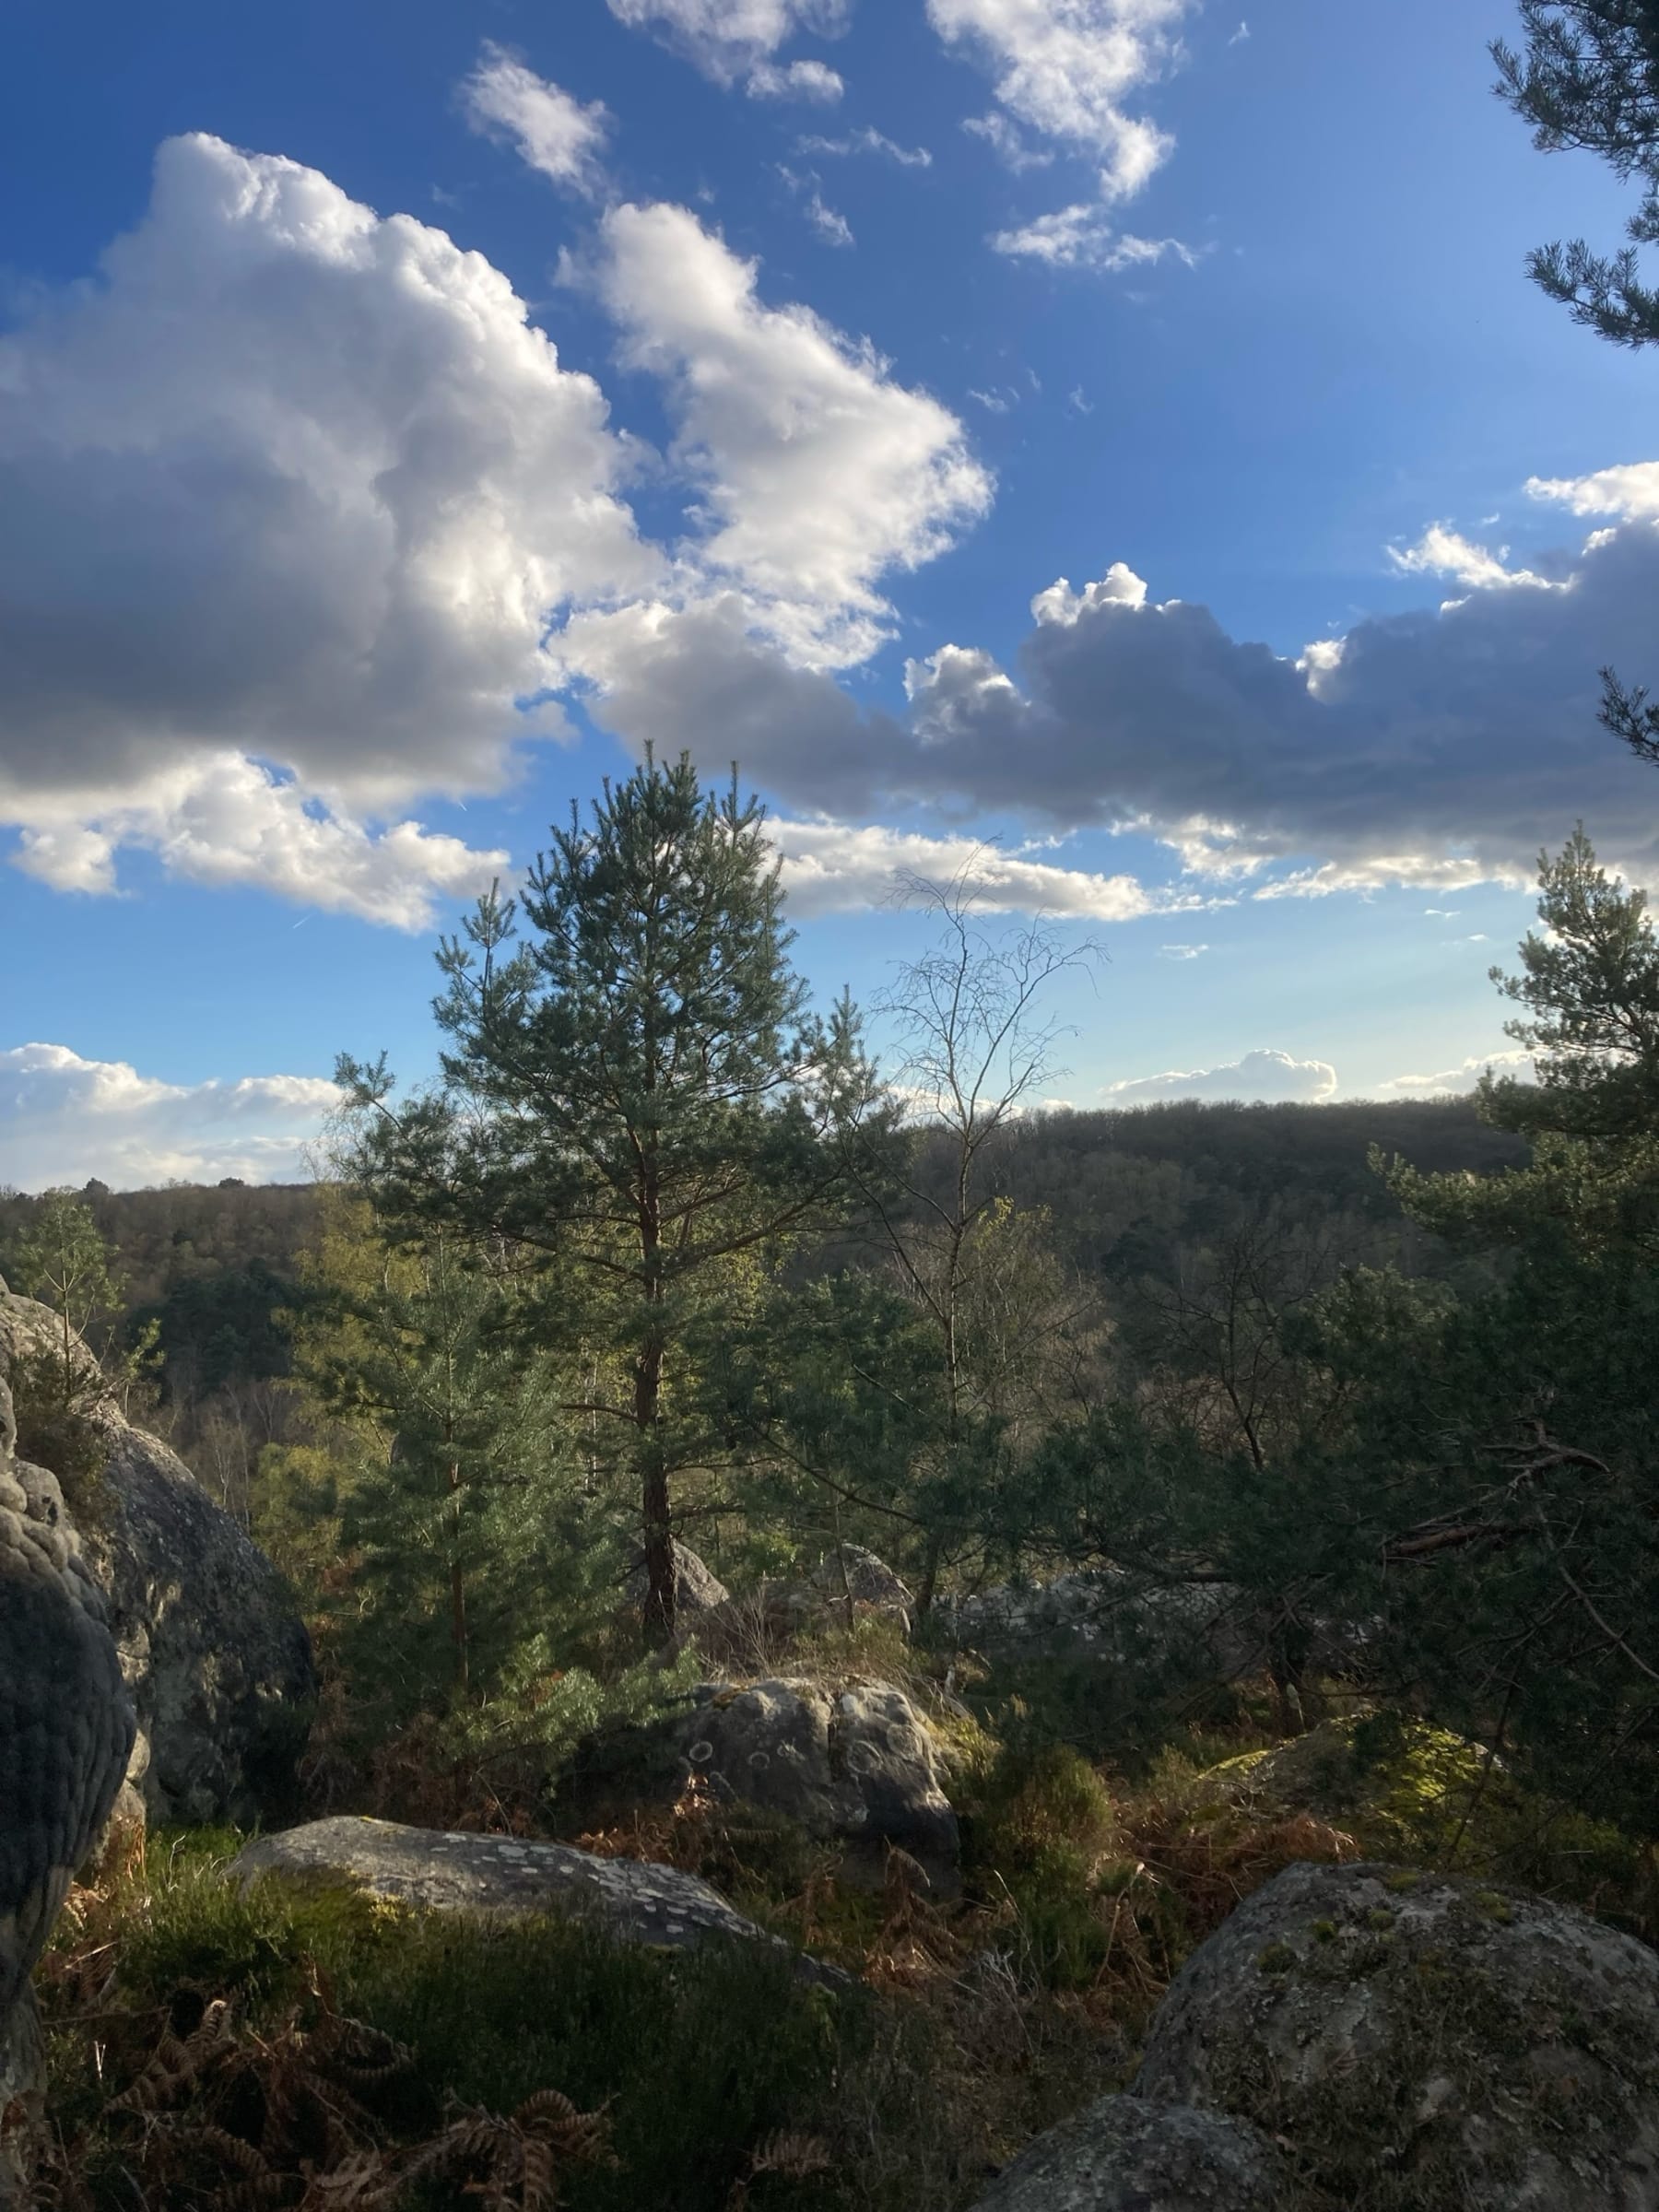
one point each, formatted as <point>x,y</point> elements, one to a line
<point>552,131</point>
<point>1084,236</point>
<point>868,141</point>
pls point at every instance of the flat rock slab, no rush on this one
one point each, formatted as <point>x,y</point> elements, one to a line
<point>436,1871</point>
<point>1125,2155</point>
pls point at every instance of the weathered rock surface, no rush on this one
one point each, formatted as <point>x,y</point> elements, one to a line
<point>851,1572</point>
<point>1109,1614</point>
<point>218,1665</point>
<point>855,1764</point>
<point>439,1872</point>
<point>698,1589</point>
<point>849,1584</point>
<point>1491,2053</point>
<point>67,1729</point>
<point>1124,2154</point>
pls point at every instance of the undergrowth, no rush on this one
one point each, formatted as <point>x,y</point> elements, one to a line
<point>215,2046</point>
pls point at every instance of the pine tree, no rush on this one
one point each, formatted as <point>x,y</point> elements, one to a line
<point>636,1094</point>
<point>1589,79</point>
<point>1590,987</point>
<point>455,1531</point>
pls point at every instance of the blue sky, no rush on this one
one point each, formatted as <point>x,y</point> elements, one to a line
<point>407,413</point>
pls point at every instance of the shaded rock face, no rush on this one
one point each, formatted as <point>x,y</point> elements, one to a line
<point>439,1872</point>
<point>698,1589</point>
<point>850,1570</point>
<point>218,1666</point>
<point>855,1764</point>
<point>67,1730</point>
<point>848,1581</point>
<point>1491,2053</point>
<point>1125,2155</point>
<point>1110,1615</point>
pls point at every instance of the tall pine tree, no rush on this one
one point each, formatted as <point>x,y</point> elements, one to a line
<point>636,1093</point>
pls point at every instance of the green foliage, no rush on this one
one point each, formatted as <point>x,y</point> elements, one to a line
<point>59,1383</point>
<point>61,1259</point>
<point>1590,985</point>
<point>443,1523</point>
<point>218,1328</point>
<point>1589,79</point>
<point>698,2057</point>
<point>647,1108</point>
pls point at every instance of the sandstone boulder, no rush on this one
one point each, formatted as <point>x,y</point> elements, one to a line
<point>1127,2155</point>
<point>853,1575</point>
<point>219,1665</point>
<point>698,1589</point>
<point>65,1733</point>
<point>436,1872</point>
<point>849,1584</point>
<point>1488,2051</point>
<point>854,1764</point>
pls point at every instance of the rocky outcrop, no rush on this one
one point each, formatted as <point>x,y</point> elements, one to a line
<point>67,1730</point>
<point>698,1590</point>
<point>849,1584</point>
<point>854,1764</point>
<point>1491,2052</point>
<point>435,1872</point>
<point>218,1665</point>
<point>1125,2155</point>
<point>1110,1614</point>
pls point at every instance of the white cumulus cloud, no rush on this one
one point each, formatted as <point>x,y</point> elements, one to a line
<point>1630,490</point>
<point>1066,69</point>
<point>732,41</point>
<point>1439,748</point>
<point>1263,1075</point>
<point>833,867</point>
<point>552,131</point>
<point>224,820</point>
<point>299,484</point>
<point>817,473</point>
<point>1443,551</point>
<point>65,1119</point>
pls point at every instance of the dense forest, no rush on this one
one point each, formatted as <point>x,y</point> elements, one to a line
<point>209,1283</point>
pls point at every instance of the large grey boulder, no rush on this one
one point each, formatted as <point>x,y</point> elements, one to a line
<point>854,1764</point>
<point>1124,2153</point>
<point>219,1665</point>
<point>698,1590</point>
<point>851,1574</point>
<point>493,1876</point>
<point>849,1584</point>
<point>67,1729</point>
<point>1488,2051</point>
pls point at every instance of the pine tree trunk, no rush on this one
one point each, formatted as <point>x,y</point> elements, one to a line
<point>660,1595</point>
<point>458,1629</point>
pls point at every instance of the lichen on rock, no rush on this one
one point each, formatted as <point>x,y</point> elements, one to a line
<point>216,1660</point>
<point>1424,2044</point>
<point>433,1870</point>
<point>1124,2154</point>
